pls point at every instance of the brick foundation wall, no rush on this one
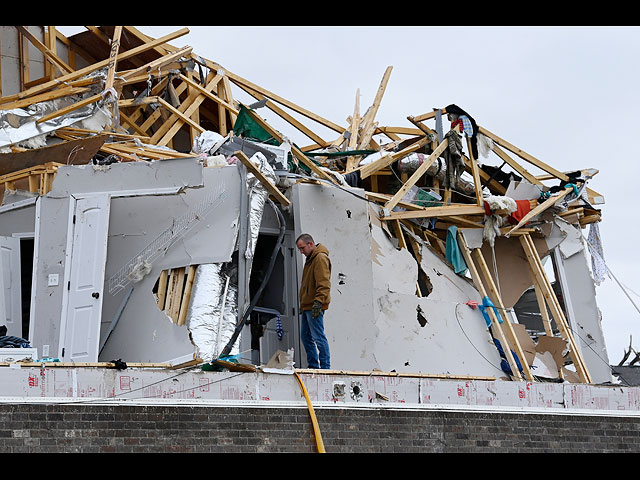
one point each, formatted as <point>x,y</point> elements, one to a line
<point>43,428</point>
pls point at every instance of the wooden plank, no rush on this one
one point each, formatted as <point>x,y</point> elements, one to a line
<point>179,114</point>
<point>286,117</point>
<point>113,55</point>
<point>271,188</point>
<point>186,297</point>
<point>295,151</point>
<point>49,55</point>
<point>429,115</point>
<point>44,97</point>
<point>475,171</point>
<point>495,327</point>
<point>166,132</point>
<point>437,212</point>
<point>162,288</point>
<point>522,154</point>
<point>548,203</point>
<point>516,166</point>
<point>70,108</point>
<point>236,79</point>
<point>540,278</point>
<point>354,128</point>
<point>385,161</point>
<point>223,128</point>
<point>368,125</point>
<point>378,373</point>
<point>390,205</point>
<point>497,301</point>
<point>544,312</point>
<point>155,64</point>
<point>207,92</point>
<point>174,294</point>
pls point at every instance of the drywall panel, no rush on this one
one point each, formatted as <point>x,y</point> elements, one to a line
<point>129,176</point>
<point>18,220</point>
<point>376,320</point>
<point>583,314</point>
<point>437,333</point>
<point>339,220</point>
<point>52,223</point>
<point>194,227</point>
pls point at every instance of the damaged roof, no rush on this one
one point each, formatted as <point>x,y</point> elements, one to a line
<point>113,95</point>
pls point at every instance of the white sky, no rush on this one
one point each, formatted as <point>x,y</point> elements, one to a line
<point>566,95</point>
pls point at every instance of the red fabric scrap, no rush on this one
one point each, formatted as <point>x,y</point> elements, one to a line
<point>523,207</point>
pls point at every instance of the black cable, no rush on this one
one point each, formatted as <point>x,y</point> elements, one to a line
<point>472,344</point>
<point>265,280</point>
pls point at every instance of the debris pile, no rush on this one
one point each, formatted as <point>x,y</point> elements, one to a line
<point>442,180</point>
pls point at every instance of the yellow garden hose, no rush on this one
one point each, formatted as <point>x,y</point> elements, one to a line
<point>312,414</point>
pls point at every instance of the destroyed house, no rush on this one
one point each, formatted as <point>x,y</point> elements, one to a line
<point>150,217</point>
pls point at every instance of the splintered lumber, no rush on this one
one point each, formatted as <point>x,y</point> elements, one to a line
<point>495,327</point>
<point>368,125</point>
<point>352,161</point>
<point>541,280</point>
<point>271,188</point>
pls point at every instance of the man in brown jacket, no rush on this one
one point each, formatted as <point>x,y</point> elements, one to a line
<point>315,296</point>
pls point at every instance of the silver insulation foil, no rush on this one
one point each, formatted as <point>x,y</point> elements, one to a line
<point>257,198</point>
<point>213,297</point>
<point>213,309</point>
<point>18,126</point>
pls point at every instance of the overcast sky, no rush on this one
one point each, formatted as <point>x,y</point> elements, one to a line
<point>566,95</point>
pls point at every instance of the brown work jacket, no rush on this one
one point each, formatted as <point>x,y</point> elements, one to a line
<point>316,279</point>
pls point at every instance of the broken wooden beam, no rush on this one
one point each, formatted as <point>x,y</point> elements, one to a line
<point>271,188</point>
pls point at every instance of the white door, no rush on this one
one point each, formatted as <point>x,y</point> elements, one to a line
<point>81,321</point>
<point>11,297</point>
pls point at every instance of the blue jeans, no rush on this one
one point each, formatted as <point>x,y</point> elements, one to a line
<point>314,340</point>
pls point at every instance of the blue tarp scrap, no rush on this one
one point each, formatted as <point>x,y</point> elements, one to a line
<point>487,303</point>
<point>504,365</point>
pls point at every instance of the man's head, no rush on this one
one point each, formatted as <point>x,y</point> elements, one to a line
<point>305,244</point>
